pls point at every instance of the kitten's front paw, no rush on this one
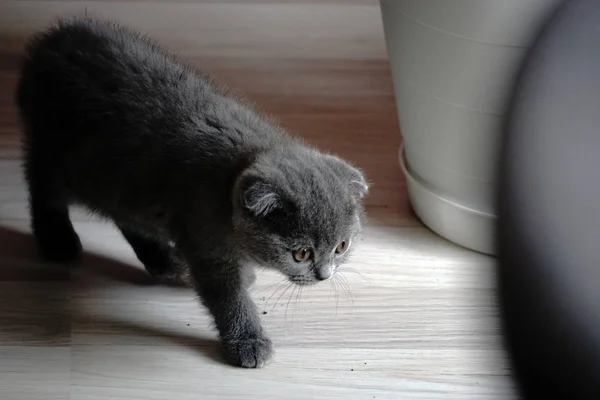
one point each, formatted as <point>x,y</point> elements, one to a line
<point>248,352</point>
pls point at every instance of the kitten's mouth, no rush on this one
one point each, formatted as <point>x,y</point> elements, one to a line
<point>303,281</point>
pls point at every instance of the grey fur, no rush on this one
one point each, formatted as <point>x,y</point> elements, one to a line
<point>194,178</point>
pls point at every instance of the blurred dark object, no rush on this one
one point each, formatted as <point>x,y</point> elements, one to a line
<point>549,211</point>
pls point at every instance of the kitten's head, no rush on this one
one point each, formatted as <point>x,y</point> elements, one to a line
<point>299,211</point>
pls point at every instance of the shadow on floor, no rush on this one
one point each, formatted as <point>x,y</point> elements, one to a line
<point>36,298</point>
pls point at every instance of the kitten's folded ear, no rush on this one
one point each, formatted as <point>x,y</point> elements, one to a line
<point>257,196</point>
<point>357,184</point>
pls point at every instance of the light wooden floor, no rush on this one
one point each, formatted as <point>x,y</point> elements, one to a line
<point>421,321</point>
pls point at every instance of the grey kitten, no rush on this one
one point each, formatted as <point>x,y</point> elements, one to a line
<point>192,177</point>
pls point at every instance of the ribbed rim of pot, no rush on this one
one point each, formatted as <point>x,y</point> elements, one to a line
<point>475,230</point>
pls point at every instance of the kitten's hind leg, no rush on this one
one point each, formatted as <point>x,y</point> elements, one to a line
<point>159,258</point>
<point>52,228</point>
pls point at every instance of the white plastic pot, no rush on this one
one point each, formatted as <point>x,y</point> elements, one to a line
<point>453,63</point>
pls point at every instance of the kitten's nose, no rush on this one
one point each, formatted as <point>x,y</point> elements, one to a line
<point>324,273</point>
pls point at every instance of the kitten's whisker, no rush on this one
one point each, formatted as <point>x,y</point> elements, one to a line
<point>360,274</point>
<point>298,297</point>
<point>341,278</point>
<point>289,300</point>
<point>272,285</point>
<point>276,291</point>
<point>281,295</point>
<point>355,271</point>
<point>337,299</point>
<point>272,294</point>
<point>331,289</point>
<point>346,285</point>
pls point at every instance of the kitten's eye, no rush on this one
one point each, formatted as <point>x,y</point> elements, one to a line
<point>302,255</point>
<point>342,247</point>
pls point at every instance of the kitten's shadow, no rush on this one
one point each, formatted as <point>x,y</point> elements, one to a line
<point>37,306</point>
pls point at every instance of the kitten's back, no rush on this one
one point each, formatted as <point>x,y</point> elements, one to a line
<point>97,73</point>
<point>123,119</point>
